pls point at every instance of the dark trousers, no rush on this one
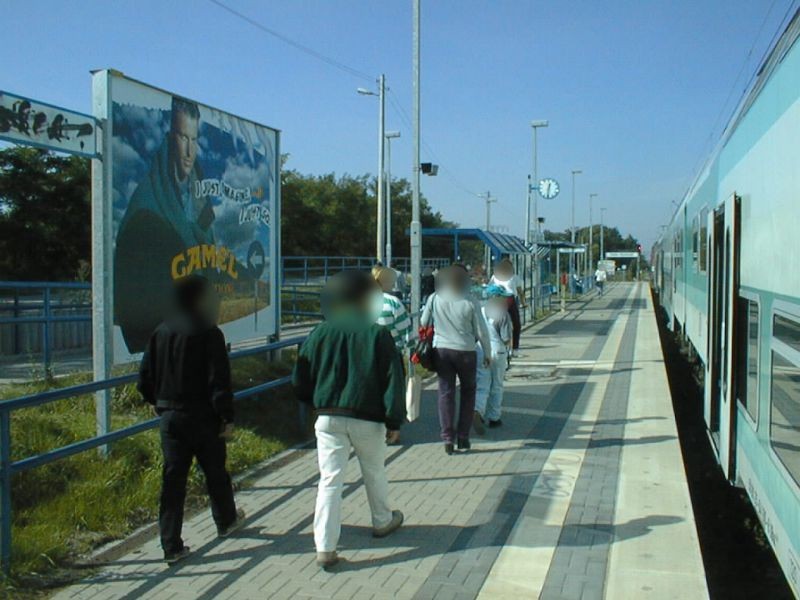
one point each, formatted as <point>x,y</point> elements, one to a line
<point>183,437</point>
<point>516,323</point>
<point>449,365</point>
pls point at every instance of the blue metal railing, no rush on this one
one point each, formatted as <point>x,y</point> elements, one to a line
<point>33,302</point>
<point>9,468</point>
<point>306,270</point>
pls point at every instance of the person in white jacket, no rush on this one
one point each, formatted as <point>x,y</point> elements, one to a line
<point>489,392</point>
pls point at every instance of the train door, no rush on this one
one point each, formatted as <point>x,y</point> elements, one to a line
<point>723,281</point>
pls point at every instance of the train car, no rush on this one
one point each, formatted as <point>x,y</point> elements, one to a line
<point>728,277</point>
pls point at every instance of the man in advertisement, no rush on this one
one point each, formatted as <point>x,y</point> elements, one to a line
<point>164,217</point>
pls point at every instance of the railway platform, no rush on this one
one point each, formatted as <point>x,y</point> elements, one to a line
<point>580,495</point>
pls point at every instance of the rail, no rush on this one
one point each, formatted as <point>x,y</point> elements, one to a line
<point>9,468</point>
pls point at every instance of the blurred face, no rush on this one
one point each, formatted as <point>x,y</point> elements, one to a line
<point>184,144</point>
<point>496,306</point>
<point>387,280</point>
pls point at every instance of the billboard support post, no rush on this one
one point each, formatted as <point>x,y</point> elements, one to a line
<point>102,327</point>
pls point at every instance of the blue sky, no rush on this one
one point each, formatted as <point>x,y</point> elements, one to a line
<point>634,90</point>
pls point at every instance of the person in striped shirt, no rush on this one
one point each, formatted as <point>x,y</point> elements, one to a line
<point>394,315</point>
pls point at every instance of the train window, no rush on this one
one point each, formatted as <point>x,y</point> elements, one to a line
<point>695,241</point>
<point>703,239</point>
<point>787,331</point>
<point>747,367</point>
<point>784,430</point>
<point>678,253</point>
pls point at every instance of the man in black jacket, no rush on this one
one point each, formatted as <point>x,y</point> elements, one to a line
<point>185,374</point>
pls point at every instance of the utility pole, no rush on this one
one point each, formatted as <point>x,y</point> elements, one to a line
<point>379,238</point>
<point>572,236</point>
<point>389,136</point>
<point>416,233</point>
<point>533,188</point>
<point>591,233</point>
<point>602,235</point>
<point>489,201</point>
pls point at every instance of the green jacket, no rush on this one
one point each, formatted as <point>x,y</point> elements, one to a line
<point>351,368</point>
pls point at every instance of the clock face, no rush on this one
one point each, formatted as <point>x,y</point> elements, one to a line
<point>548,188</point>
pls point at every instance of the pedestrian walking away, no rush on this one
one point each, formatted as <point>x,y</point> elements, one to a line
<point>505,277</point>
<point>458,323</point>
<point>350,371</point>
<point>185,374</point>
<point>600,277</point>
<point>393,314</point>
<point>489,391</point>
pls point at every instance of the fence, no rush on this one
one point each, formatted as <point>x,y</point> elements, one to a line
<point>8,468</point>
<point>310,270</point>
<point>43,317</point>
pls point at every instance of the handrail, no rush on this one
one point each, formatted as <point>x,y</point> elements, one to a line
<point>8,468</point>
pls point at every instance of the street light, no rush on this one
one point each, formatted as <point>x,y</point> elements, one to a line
<point>381,94</point>
<point>591,233</point>
<point>390,135</point>
<point>602,235</point>
<point>533,186</point>
<point>572,233</point>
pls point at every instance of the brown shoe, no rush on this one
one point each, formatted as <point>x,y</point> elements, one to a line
<point>327,559</point>
<point>394,525</point>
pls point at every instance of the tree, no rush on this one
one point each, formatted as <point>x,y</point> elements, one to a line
<point>45,215</point>
<point>325,216</point>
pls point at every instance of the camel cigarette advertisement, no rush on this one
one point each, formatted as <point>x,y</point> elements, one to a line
<point>194,192</point>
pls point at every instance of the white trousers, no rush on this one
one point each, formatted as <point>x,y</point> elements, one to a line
<point>489,387</point>
<point>335,436</point>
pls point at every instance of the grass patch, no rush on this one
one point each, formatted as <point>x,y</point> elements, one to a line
<point>64,509</point>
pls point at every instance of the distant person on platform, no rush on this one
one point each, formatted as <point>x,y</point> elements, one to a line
<point>393,314</point>
<point>428,283</point>
<point>600,277</point>
<point>185,374</point>
<point>457,323</point>
<point>505,277</point>
<point>350,371</point>
<point>163,218</point>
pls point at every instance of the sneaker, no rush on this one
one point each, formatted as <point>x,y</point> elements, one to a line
<point>394,525</point>
<point>326,560</point>
<point>464,445</point>
<point>235,526</point>
<point>174,557</point>
<point>497,423</point>
<point>449,448</point>
<point>477,423</point>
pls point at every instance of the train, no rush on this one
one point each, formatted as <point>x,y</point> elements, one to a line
<point>726,271</point>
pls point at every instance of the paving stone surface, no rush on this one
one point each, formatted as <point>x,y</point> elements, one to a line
<point>536,509</point>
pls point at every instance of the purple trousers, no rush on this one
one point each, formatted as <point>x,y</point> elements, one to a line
<point>449,365</point>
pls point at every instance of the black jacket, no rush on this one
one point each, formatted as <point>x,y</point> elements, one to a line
<point>185,367</point>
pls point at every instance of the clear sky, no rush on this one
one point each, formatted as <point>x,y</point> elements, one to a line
<point>636,91</point>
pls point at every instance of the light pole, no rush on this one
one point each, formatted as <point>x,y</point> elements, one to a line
<point>602,235</point>
<point>381,94</point>
<point>489,201</point>
<point>533,186</point>
<point>415,230</point>
<point>389,136</point>
<point>572,232</point>
<point>591,233</point>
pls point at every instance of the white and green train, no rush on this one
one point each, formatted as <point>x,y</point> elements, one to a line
<point>727,272</point>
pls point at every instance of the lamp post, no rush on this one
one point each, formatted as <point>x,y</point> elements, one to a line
<point>591,233</point>
<point>533,186</point>
<point>489,201</point>
<point>415,230</point>
<point>602,235</point>
<point>381,94</point>
<point>390,135</point>
<point>572,233</point>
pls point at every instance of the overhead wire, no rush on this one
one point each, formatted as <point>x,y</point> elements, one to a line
<point>297,45</point>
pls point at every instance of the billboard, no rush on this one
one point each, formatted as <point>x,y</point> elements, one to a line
<point>194,190</point>
<point>26,121</point>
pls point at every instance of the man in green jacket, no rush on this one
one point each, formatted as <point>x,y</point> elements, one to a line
<point>352,374</point>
